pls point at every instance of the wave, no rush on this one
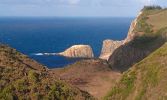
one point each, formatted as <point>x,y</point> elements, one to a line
<point>43,54</point>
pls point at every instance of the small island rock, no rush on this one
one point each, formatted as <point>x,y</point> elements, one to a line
<point>78,51</point>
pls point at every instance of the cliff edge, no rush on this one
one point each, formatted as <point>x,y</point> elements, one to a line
<point>145,35</point>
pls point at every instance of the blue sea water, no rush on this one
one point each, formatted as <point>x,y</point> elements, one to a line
<point>53,35</point>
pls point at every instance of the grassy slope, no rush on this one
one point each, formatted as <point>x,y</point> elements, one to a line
<point>152,25</point>
<point>146,79</point>
<point>23,78</point>
<point>158,20</point>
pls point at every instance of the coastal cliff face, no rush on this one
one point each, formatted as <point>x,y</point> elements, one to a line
<point>78,51</point>
<point>142,40</point>
<point>132,34</point>
<point>108,48</point>
<point>146,56</point>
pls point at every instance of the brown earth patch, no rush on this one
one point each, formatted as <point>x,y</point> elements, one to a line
<point>93,76</point>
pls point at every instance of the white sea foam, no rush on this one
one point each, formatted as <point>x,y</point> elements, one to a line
<point>42,54</point>
<point>38,54</point>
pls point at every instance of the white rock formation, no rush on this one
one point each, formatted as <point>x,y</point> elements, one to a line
<point>108,48</point>
<point>78,51</point>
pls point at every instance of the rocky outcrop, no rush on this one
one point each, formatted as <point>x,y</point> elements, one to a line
<point>128,53</point>
<point>78,51</point>
<point>137,45</point>
<point>108,48</point>
<point>125,56</point>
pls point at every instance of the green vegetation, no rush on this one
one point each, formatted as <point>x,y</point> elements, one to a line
<point>7,93</point>
<point>19,80</point>
<point>158,20</point>
<point>145,78</point>
<point>23,78</point>
<point>153,17</point>
<point>21,86</point>
<point>149,41</point>
<point>60,91</point>
<point>142,26</point>
<point>34,77</point>
<point>126,87</point>
<point>151,24</point>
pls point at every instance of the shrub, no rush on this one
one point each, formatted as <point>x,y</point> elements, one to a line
<point>36,96</point>
<point>152,7</point>
<point>21,86</point>
<point>7,93</point>
<point>33,76</point>
<point>60,91</point>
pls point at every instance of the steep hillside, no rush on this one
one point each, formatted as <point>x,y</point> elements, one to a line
<point>145,53</point>
<point>23,78</point>
<point>93,75</point>
<point>147,33</point>
<point>146,80</point>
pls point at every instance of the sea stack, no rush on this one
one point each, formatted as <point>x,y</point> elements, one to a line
<point>109,46</point>
<point>78,51</point>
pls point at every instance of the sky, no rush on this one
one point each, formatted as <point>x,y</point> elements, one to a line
<point>75,8</point>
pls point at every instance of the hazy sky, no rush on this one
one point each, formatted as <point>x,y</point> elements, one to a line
<point>74,8</point>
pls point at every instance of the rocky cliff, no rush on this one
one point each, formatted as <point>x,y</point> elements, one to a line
<point>146,55</point>
<point>78,51</point>
<point>132,33</point>
<point>109,46</point>
<point>143,38</point>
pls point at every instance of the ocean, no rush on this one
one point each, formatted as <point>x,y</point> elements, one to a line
<point>52,35</point>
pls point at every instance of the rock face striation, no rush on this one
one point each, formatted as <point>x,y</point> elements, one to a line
<point>78,51</point>
<point>128,53</point>
<point>109,46</point>
<point>140,42</point>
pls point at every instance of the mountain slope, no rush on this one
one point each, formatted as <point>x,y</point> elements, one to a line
<point>146,80</point>
<point>23,78</point>
<point>144,37</point>
<point>143,59</point>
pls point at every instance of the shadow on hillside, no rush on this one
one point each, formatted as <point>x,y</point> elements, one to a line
<point>129,54</point>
